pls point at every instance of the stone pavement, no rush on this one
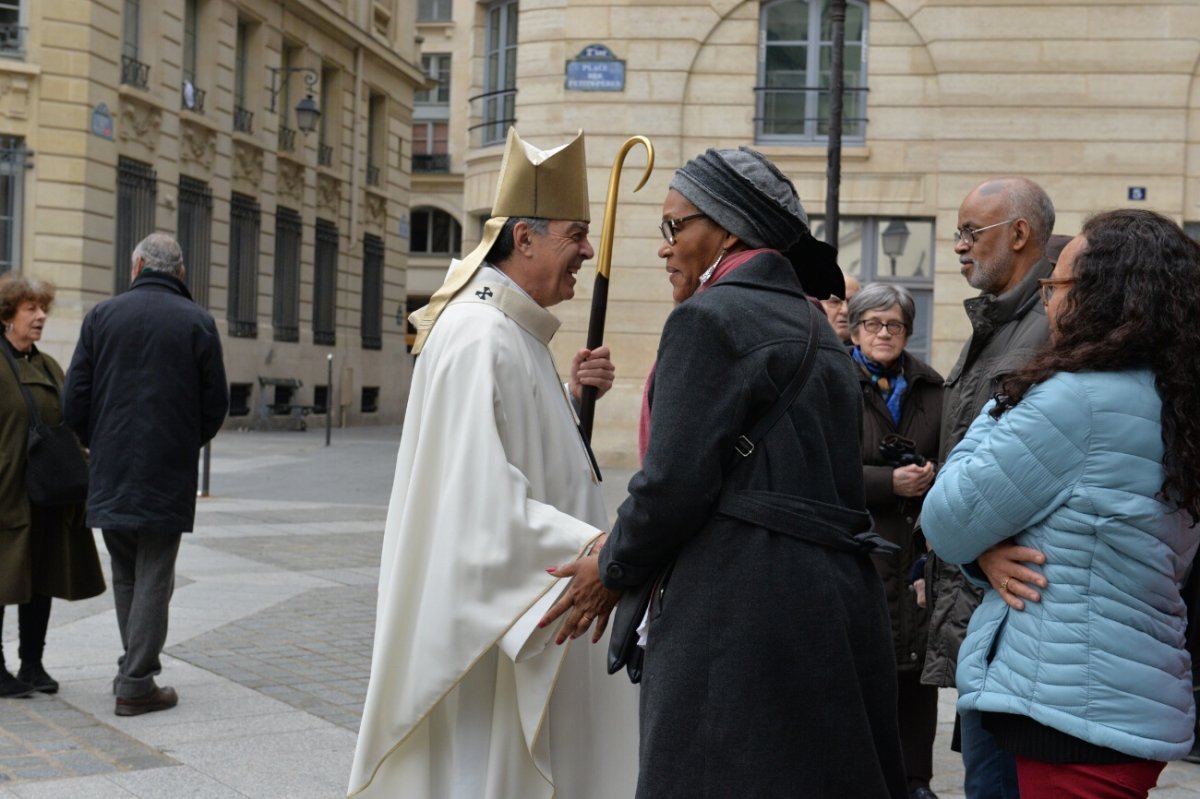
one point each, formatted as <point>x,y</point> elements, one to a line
<point>270,642</point>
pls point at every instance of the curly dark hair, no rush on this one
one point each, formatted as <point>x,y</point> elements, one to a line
<point>1134,303</point>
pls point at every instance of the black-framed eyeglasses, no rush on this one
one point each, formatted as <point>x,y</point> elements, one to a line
<point>968,235</point>
<point>670,227</point>
<point>1047,285</point>
<point>893,327</point>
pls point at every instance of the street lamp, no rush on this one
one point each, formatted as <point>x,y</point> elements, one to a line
<point>307,111</point>
<point>895,238</point>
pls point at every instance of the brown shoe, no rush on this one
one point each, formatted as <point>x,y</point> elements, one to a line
<point>158,699</point>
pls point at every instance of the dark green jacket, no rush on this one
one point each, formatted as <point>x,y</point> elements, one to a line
<point>1007,330</point>
<point>42,550</point>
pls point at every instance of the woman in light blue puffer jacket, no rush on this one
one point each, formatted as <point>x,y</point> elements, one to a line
<point>1091,460</point>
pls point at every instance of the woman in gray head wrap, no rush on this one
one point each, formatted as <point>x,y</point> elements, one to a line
<point>735,201</point>
<point>768,669</point>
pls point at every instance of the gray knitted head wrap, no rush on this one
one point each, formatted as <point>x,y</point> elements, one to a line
<point>748,196</point>
<point>745,194</point>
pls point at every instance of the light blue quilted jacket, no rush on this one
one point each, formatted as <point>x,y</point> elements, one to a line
<point>1073,471</point>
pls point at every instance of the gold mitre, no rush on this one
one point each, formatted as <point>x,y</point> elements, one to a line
<point>548,184</point>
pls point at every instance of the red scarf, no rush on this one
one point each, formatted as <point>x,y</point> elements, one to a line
<point>727,265</point>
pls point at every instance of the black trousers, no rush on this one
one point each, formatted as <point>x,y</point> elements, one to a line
<point>918,708</point>
<point>33,619</point>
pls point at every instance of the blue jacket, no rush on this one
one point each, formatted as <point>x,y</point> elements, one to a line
<point>1073,470</point>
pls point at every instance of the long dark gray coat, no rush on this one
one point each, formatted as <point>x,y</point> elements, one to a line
<point>42,550</point>
<point>145,391</point>
<point>769,670</point>
<point>895,517</point>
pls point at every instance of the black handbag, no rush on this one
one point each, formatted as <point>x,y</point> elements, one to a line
<point>623,649</point>
<point>56,473</point>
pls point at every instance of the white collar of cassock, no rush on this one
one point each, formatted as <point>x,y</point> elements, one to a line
<point>490,286</point>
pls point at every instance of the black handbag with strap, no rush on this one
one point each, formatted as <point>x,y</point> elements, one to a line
<point>56,473</point>
<point>623,649</point>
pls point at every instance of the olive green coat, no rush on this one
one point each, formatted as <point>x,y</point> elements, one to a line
<point>42,550</point>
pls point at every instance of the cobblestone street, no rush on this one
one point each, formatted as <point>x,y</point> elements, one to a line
<point>271,629</point>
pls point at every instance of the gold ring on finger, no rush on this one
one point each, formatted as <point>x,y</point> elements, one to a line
<point>1004,584</point>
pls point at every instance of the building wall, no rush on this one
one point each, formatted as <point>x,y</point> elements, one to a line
<point>1087,98</point>
<point>73,64</point>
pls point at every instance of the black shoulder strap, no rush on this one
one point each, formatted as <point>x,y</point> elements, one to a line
<point>746,442</point>
<point>34,419</point>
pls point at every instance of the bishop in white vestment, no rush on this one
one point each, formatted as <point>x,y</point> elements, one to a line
<point>468,698</point>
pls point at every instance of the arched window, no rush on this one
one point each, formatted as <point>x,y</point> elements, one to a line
<point>794,58</point>
<point>435,232</point>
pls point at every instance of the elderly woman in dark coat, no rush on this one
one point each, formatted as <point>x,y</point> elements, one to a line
<point>902,398</point>
<point>44,552</point>
<point>768,669</point>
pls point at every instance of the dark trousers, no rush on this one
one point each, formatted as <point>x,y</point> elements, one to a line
<point>991,772</point>
<point>143,579</point>
<point>918,708</point>
<point>33,619</point>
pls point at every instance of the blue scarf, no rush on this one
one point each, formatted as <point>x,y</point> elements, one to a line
<point>889,381</point>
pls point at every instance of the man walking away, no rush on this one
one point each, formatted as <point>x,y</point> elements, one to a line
<point>145,391</point>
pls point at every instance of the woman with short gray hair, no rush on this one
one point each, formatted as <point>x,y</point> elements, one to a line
<point>902,410</point>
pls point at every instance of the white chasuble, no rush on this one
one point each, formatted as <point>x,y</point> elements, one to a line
<point>468,699</point>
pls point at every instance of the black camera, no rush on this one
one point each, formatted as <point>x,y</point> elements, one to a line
<point>899,451</point>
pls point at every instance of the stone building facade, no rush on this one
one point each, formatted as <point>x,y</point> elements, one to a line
<point>122,117</point>
<point>1096,100</point>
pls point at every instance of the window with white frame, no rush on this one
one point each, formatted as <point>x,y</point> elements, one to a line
<point>794,67</point>
<point>500,71</point>
<point>431,117</point>
<point>434,10</point>
<point>898,250</point>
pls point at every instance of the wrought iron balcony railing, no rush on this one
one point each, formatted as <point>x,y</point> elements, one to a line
<point>431,162</point>
<point>134,72</point>
<point>287,139</point>
<point>12,40</point>
<point>191,98</point>
<point>372,175</point>
<point>325,154</point>
<point>243,120</point>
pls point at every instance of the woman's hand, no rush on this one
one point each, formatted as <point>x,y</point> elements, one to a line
<point>1004,565</point>
<point>585,600</point>
<point>912,481</point>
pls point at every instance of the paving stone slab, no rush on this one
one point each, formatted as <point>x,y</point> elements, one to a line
<point>44,738</point>
<point>311,652</point>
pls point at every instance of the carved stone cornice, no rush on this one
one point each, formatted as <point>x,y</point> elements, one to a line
<point>140,121</point>
<point>376,207</point>
<point>329,194</point>
<point>290,182</point>
<point>197,144</point>
<point>14,95</point>
<point>247,164</point>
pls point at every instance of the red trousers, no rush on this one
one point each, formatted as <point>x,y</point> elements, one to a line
<point>1041,780</point>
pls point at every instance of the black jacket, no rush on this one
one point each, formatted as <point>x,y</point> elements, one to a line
<point>764,647</point>
<point>145,391</point>
<point>1007,331</point>
<point>895,517</point>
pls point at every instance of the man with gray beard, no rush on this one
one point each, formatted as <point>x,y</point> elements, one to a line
<point>1003,227</point>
